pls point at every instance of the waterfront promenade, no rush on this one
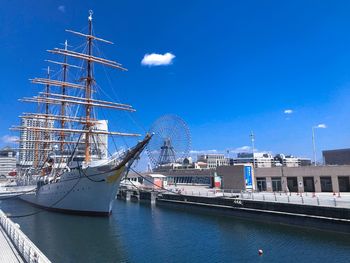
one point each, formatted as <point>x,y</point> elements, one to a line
<point>8,251</point>
<point>15,246</point>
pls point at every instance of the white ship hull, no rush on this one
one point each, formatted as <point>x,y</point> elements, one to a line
<point>86,192</point>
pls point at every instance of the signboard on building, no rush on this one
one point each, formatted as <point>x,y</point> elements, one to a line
<point>248,176</point>
<point>217,181</point>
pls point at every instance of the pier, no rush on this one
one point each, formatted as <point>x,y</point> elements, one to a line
<point>15,246</point>
<point>14,191</point>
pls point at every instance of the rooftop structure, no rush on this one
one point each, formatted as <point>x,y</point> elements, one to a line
<point>186,164</point>
<point>336,157</point>
<point>213,160</point>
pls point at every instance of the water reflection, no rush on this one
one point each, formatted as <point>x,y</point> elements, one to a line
<point>67,238</point>
<point>145,233</point>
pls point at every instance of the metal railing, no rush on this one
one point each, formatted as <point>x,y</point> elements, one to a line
<point>207,192</point>
<point>28,250</point>
<point>298,198</point>
<point>280,197</point>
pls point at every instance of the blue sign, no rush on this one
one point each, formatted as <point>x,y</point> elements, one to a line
<point>248,176</point>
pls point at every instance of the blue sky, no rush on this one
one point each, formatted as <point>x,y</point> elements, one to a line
<point>238,65</point>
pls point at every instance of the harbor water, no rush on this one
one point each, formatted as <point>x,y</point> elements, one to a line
<point>140,232</point>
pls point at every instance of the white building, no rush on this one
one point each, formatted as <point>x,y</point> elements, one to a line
<point>213,160</point>
<point>154,181</point>
<point>7,161</point>
<point>291,161</point>
<point>100,141</point>
<point>266,160</point>
<point>29,140</point>
<point>260,160</point>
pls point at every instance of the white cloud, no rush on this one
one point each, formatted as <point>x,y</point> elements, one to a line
<point>9,139</point>
<point>242,149</point>
<point>62,8</point>
<point>321,126</point>
<point>157,59</point>
<point>288,111</point>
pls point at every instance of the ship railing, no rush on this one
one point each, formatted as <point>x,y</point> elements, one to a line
<point>28,250</point>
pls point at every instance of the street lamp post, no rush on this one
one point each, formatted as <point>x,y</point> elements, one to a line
<point>252,138</point>
<point>319,126</point>
<point>313,144</point>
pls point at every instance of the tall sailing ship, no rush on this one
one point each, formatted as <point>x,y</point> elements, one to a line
<point>64,145</point>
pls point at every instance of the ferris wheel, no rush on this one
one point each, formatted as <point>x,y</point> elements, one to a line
<point>171,141</point>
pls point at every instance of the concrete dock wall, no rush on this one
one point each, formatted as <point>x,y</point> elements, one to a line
<point>320,217</point>
<point>325,218</point>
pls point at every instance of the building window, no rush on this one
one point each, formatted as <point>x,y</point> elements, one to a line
<point>292,183</point>
<point>344,183</point>
<point>326,184</point>
<point>261,183</point>
<point>276,184</point>
<point>309,185</point>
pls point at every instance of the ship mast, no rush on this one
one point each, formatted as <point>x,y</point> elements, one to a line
<point>38,134</point>
<point>47,112</point>
<point>47,89</point>
<point>63,104</point>
<point>88,93</point>
<point>63,98</point>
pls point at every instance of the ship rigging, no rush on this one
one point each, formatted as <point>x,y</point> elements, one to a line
<point>70,146</point>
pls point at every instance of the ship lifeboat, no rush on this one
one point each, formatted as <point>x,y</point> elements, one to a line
<point>12,173</point>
